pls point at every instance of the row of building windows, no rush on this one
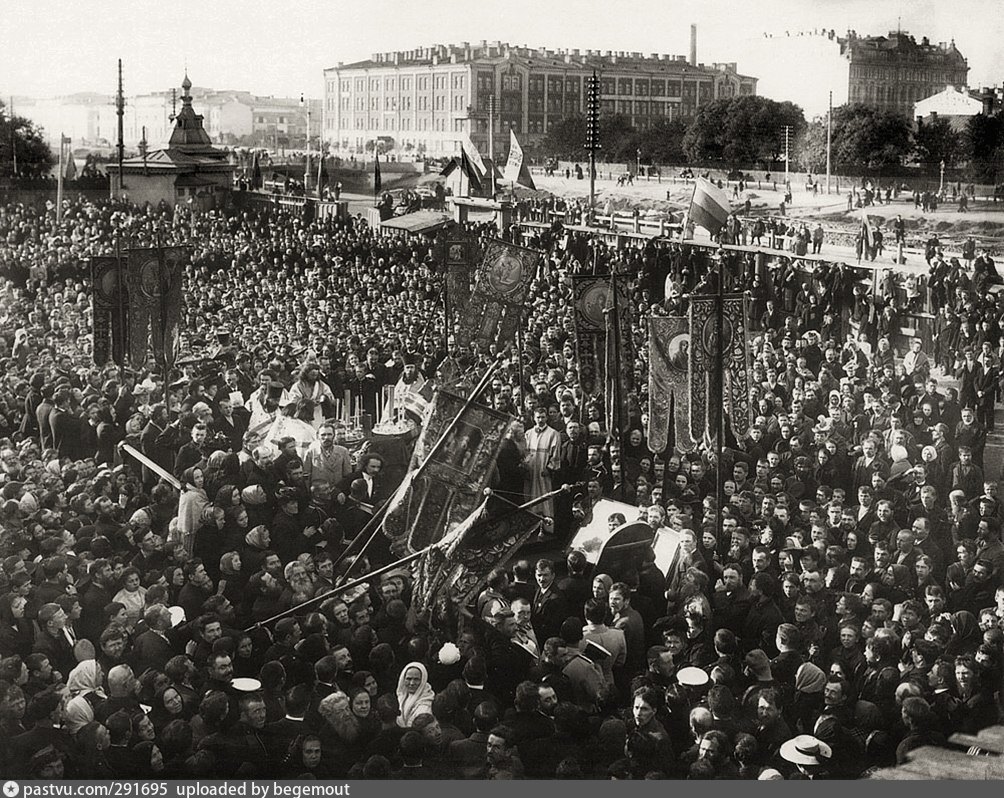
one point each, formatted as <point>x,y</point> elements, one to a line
<point>403,83</point>
<point>882,93</point>
<point>536,122</point>
<point>571,87</point>
<point>895,72</point>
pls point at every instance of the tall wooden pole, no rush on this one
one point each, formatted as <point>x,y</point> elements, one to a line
<point>120,111</point>
<point>829,140</point>
<point>59,181</point>
<point>720,369</point>
<point>616,421</point>
<point>491,139</point>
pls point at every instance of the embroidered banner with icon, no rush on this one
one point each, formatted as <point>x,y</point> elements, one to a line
<point>591,299</point>
<point>433,499</point>
<point>704,368</point>
<point>108,305</point>
<point>668,383</point>
<point>459,565</point>
<point>504,275</point>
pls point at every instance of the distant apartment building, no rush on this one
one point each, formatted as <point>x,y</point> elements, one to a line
<point>231,117</point>
<point>895,71</point>
<point>892,72</point>
<point>424,100</point>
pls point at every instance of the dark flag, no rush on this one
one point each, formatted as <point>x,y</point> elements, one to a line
<point>377,182</point>
<point>255,173</point>
<point>458,255</point>
<point>438,495</point>
<point>496,307</point>
<point>108,303</point>
<point>457,568</point>
<point>322,175</point>
<point>473,178</point>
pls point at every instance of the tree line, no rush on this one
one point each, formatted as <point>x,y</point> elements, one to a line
<point>749,133</point>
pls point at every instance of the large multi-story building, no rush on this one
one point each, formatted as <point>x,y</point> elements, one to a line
<point>425,100</point>
<point>895,71</point>
<point>231,117</point>
<point>891,72</point>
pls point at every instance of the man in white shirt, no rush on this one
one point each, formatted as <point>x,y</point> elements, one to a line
<point>326,464</point>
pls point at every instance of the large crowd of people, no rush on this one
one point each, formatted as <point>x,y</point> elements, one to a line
<point>836,602</point>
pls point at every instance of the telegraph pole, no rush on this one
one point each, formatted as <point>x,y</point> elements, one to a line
<point>787,142</point>
<point>592,136</point>
<point>491,139</point>
<point>120,111</point>
<point>59,179</point>
<point>829,140</point>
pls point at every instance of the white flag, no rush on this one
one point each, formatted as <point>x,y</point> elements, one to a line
<point>473,155</point>
<point>516,170</point>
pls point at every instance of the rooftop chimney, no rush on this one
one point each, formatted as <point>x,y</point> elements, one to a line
<point>693,45</point>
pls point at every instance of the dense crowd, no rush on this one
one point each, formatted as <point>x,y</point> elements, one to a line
<point>846,609</point>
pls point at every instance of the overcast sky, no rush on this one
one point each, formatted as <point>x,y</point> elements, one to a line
<point>50,47</point>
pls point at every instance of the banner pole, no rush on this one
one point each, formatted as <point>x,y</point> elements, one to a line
<point>432,452</point>
<point>409,558</point>
<point>173,481</point>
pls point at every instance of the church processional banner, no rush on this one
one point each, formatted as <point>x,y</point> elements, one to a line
<point>433,500</point>
<point>591,299</point>
<point>154,279</point>
<point>108,304</point>
<point>496,307</point>
<point>668,382</point>
<point>704,371</point>
<point>458,567</point>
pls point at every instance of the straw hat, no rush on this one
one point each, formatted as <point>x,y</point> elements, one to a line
<point>806,750</point>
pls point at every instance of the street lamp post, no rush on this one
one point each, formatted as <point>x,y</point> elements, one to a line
<point>941,184</point>
<point>306,167</point>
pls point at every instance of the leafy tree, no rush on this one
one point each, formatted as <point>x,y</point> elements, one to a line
<point>619,139</point>
<point>869,138</point>
<point>702,141</point>
<point>984,147</point>
<point>937,141</point>
<point>21,141</point>
<point>566,138</point>
<point>663,141</point>
<point>810,150</point>
<point>742,131</point>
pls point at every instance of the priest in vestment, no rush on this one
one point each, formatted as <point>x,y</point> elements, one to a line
<point>543,458</point>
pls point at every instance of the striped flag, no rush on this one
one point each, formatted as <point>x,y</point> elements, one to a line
<point>710,207</point>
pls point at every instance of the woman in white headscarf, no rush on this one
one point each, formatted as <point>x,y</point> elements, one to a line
<point>414,694</point>
<point>192,502</point>
<point>84,686</point>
